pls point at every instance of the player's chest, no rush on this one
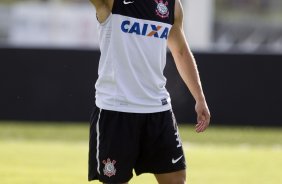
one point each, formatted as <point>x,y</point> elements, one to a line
<point>155,10</point>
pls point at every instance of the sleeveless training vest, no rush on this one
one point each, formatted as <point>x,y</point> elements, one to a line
<point>133,44</point>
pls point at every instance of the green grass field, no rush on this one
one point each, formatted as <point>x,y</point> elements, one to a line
<point>50,153</point>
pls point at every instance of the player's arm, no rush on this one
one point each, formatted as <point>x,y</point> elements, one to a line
<point>187,68</point>
<point>103,9</point>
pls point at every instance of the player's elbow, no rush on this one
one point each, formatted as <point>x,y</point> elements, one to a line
<point>181,53</point>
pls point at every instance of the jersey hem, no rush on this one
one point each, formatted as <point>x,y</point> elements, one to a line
<point>131,109</point>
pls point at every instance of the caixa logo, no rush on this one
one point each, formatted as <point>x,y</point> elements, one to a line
<point>149,30</point>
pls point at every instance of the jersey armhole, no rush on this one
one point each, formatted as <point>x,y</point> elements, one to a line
<point>105,21</point>
<point>115,6</point>
<point>173,12</point>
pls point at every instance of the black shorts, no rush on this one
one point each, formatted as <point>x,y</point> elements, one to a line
<point>120,142</point>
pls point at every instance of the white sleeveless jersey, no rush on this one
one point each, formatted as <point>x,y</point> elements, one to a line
<point>133,44</point>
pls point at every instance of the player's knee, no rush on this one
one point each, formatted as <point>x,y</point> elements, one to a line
<point>172,178</point>
<point>179,180</point>
<point>174,181</point>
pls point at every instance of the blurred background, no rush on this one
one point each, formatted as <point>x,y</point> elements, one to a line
<point>49,57</point>
<point>211,25</point>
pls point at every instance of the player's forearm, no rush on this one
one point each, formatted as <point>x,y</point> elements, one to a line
<point>103,9</point>
<point>188,71</point>
<point>101,5</point>
<point>97,3</point>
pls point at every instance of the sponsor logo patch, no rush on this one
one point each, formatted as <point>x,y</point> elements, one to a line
<point>164,101</point>
<point>143,29</point>
<point>127,2</point>
<point>174,161</point>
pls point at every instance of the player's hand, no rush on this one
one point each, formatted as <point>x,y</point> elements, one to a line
<point>203,116</point>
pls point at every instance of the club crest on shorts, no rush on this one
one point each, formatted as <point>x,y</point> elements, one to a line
<point>109,169</point>
<point>162,9</point>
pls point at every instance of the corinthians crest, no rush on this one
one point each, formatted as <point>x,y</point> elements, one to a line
<point>109,169</point>
<point>162,9</point>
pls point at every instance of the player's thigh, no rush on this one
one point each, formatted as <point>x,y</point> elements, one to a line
<point>113,146</point>
<point>178,177</point>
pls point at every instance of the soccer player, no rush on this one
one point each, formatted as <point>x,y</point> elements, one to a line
<point>133,125</point>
